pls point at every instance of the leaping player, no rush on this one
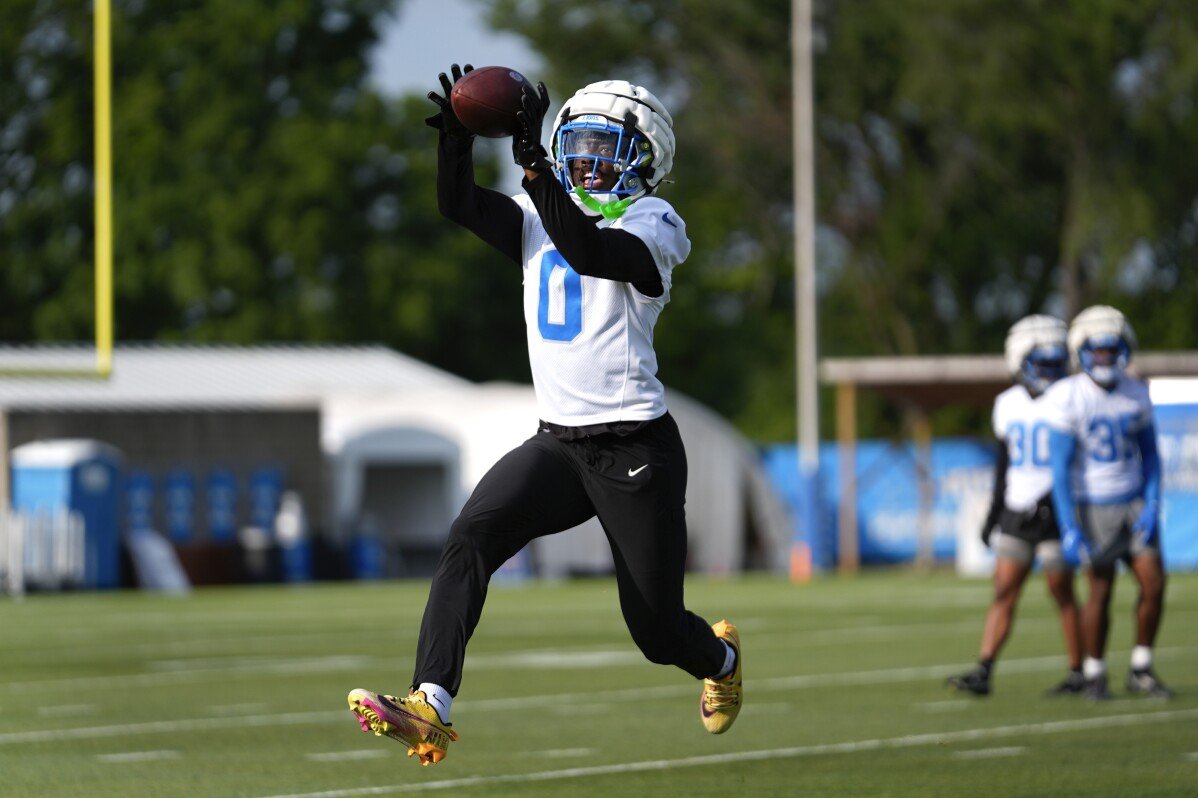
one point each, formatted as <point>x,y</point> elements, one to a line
<point>597,251</point>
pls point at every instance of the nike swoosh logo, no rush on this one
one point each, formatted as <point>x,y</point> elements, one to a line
<point>665,217</point>
<point>634,472</point>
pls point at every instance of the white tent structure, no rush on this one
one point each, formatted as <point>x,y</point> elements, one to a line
<point>410,462</point>
<point>375,441</point>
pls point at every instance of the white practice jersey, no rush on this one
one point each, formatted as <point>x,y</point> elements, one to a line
<point>590,340</point>
<point>1019,421</point>
<point>1106,464</point>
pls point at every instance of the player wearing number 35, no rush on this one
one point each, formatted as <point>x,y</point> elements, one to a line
<point>596,250</point>
<point>1106,489</point>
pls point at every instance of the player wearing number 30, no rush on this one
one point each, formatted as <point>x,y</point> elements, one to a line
<point>597,252</point>
<point>1106,489</point>
<point>1036,356</point>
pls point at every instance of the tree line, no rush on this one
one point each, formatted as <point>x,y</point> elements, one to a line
<point>976,161</point>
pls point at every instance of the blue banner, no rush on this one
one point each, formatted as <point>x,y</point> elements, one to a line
<point>221,493</point>
<point>1177,440</point>
<point>179,489</point>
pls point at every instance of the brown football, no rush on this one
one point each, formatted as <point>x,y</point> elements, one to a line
<point>487,99</point>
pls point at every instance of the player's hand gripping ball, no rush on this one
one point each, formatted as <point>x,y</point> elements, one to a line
<point>487,100</point>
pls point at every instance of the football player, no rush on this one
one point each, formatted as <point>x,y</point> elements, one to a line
<point>1106,489</point>
<point>596,251</point>
<point>1021,509</point>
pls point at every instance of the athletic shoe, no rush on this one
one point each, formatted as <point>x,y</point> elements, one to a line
<point>412,721</point>
<point>1096,689</point>
<point>976,681</point>
<point>1147,683</point>
<point>1073,684</point>
<point>721,699</point>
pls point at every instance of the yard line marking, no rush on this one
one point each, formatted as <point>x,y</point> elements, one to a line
<point>358,663</point>
<point>167,726</point>
<point>989,753</point>
<point>562,753</point>
<point>233,710</point>
<point>344,756</point>
<point>945,706</point>
<point>907,741</point>
<point>66,709</point>
<point>1193,757</point>
<point>568,701</point>
<point>137,756</point>
<point>768,708</point>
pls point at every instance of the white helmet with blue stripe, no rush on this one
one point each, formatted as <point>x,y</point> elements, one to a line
<point>1101,342</point>
<point>619,123</point>
<point>1035,352</point>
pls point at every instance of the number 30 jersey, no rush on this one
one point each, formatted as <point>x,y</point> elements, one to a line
<point>1020,423</point>
<point>590,340</point>
<point>1106,464</point>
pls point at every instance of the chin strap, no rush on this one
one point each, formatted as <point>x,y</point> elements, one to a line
<point>608,210</point>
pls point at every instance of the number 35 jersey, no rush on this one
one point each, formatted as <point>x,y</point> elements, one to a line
<point>1106,464</point>
<point>1020,423</point>
<point>590,340</point>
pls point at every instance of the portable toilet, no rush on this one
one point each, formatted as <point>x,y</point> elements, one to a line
<point>74,480</point>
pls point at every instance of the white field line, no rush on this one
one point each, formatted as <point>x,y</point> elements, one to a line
<point>561,753</point>
<point>573,701</point>
<point>989,753</point>
<point>137,756</point>
<point>66,709</point>
<point>170,726</point>
<point>274,666</point>
<point>235,710</point>
<point>907,741</point>
<point>346,756</point>
<point>943,706</point>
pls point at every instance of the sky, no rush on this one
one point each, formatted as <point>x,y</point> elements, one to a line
<point>427,36</point>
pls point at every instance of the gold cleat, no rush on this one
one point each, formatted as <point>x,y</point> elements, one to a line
<point>721,699</point>
<point>411,721</point>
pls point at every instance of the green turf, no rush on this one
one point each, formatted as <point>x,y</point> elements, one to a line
<point>241,692</point>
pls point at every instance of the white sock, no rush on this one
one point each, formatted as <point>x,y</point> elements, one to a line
<point>1092,667</point>
<point>1141,658</point>
<point>438,697</point>
<point>729,661</point>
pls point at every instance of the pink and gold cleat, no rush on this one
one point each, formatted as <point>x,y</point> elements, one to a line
<point>720,703</point>
<point>411,721</point>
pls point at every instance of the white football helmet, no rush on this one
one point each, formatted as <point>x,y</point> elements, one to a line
<point>1101,327</point>
<point>616,122</point>
<point>1035,352</point>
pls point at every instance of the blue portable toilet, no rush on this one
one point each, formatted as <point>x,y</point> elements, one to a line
<point>78,476</point>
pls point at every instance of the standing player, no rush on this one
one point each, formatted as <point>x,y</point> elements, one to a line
<point>1022,508</point>
<point>1106,489</point>
<point>597,252</point>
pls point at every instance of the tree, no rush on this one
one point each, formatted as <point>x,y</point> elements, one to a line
<point>263,191</point>
<point>976,161</point>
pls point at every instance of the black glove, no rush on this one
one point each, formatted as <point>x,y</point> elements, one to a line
<point>526,144</point>
<point>987,531</point>
<point>445,119</point>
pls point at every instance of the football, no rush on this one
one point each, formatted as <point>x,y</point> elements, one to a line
<point>487,99</point>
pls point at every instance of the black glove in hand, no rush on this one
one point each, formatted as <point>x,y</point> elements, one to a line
<point>987,531</point>
<point>526,144</point>
<point>445,119</point>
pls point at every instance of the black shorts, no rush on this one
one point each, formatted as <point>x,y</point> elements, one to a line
<point>1035,526</point>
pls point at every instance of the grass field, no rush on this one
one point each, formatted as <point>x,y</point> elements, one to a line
<point>241,692</point>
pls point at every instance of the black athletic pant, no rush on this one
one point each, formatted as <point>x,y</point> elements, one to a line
<point>635,483</point>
